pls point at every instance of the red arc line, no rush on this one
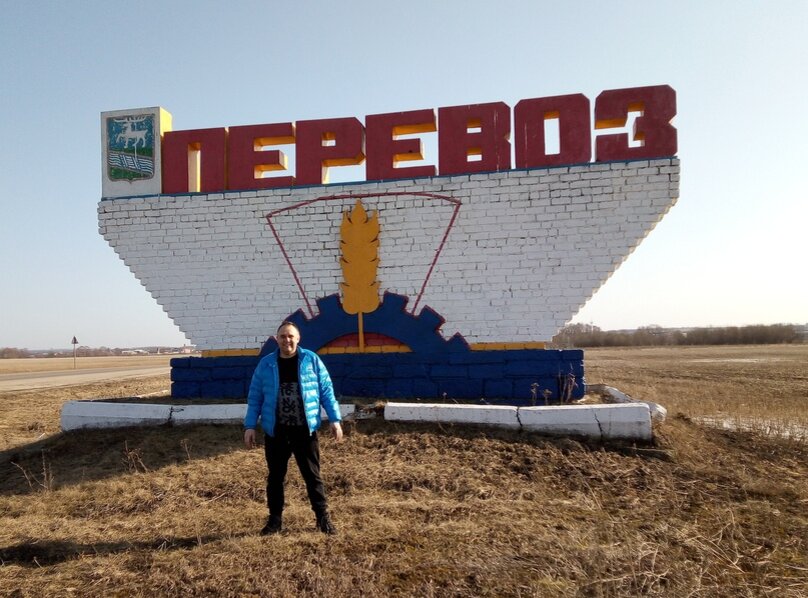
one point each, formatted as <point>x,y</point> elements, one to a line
<point>301,204</point>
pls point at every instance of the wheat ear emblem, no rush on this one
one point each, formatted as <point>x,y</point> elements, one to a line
<point>360,260</point>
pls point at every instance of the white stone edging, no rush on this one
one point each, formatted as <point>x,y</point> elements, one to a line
<point>612,395</point>
<point>624,421</point>
<point>620,421</point>
<point>99,414</point>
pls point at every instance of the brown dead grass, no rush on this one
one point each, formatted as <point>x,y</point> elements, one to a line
<point>30,415</point>
<point>422,510</point>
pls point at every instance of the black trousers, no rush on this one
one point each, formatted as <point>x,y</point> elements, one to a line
<point>288,441</point>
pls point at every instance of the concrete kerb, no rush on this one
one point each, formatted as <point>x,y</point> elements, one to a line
<point>98,414</point>
<point>91,414</point>
<point>623,421</point>
<point>612,395</point>
<point>619,421</point>
<point>493,415</point>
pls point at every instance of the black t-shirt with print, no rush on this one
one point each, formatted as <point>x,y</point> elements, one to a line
<point>290,403</point>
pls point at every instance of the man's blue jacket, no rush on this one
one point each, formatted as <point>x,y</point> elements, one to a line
<point>315,388</point>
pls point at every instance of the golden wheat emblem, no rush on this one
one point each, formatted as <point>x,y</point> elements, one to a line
<point>359,246</point>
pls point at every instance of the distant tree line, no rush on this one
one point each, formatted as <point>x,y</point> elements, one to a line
<point>587,335</point>
<point>14,353</point>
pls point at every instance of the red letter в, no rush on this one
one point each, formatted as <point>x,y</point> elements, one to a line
<point>384,151</point>
<point>456,142</point>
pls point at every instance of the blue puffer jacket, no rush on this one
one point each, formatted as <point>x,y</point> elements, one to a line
<point>315,387</point>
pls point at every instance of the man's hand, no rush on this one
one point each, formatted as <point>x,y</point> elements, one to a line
<point>336,428</point>
<point>249,438</point>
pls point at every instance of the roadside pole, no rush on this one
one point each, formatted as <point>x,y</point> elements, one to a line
<point>75,342</point>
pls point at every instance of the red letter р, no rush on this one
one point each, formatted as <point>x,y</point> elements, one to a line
<point>456,143</point>
<point>384,151</point>
<point>246,161</point>
<point>194,161</point>
<point>327,142</point>
<point>574,131</point>
<point>653,128</point>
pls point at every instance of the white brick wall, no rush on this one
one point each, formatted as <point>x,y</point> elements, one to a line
<point>527,250</point>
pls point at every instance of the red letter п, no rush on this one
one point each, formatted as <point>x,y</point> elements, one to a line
<point>658,106</point>
<point>180,171</point>
<point>456,143</point>
<point>314,155</point>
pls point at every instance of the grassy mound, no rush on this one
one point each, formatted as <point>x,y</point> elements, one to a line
<point>422,510</point>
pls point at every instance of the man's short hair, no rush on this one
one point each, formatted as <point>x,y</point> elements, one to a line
<point>288,323</point>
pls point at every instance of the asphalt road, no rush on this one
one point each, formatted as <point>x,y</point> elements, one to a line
<point>33,380</point>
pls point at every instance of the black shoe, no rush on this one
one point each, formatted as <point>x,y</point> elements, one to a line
<point>324,525</point>
<point>273,525</point>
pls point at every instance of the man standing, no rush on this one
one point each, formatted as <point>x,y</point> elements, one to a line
<point>286,392</point>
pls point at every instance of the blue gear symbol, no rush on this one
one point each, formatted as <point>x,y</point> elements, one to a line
<point>420,333</point>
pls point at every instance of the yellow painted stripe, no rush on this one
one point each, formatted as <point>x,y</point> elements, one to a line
<point>372,349</point>
<point>506,346</point>
<point>332,351</point>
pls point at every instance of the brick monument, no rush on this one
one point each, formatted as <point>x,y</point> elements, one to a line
<point>442,280</point>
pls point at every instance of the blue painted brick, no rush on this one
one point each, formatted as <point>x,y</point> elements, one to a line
<point>399,388</point>
<point>531,368</point>
<point>194,362</point>
<point>234,390</point>
<point>362,388</point>
<point>214,390</point>
<point>424,388</point>
<point>229,373</point>
<point>243,361</point>
<point>485,371</point>
<point>448,371</point>
<point>430,318</point>
<point>479,357</point>
<point>496,375</point>
<point>190,375</point>
<point>498,388</point>
<point>185,390</point>
<point>460,388</point>
<point>407,370</point>
<point>377,372</point>
<point>218,362</point>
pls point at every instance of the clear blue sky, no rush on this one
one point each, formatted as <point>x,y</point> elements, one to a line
<point>731,252</point>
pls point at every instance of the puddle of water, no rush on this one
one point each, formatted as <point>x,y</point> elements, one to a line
<point>735,360</point>
<point>782,429</point>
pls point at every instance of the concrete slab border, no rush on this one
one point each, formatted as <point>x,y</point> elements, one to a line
<point>622,421</point>
<point>630,421</point>
<point>99,414</point>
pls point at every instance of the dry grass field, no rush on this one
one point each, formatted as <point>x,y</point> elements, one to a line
<point>427,510</point>
<point>762,387</point>
<point>58,364</point>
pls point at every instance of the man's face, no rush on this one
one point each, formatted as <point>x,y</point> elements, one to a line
<point>288,337</point>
